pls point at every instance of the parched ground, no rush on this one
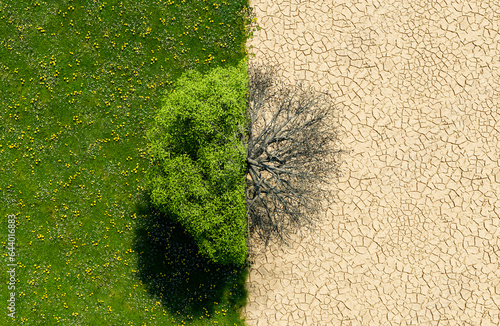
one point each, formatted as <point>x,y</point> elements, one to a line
<point>412,234</point>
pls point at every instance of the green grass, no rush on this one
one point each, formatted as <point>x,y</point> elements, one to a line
<point>80,82</point>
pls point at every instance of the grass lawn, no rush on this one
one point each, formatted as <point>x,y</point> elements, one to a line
<point>80,82</point>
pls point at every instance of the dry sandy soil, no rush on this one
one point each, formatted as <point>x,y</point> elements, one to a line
<point>411,235</point>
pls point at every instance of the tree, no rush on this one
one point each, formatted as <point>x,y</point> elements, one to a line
<point>290,154</point>
<point>236,149</point>
<point>198,155</point>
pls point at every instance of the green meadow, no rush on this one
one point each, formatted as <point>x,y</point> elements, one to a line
<point>80,83</point>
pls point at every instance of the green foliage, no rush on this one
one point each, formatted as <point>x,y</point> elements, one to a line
<point>199,160</point>
<point>80,82</point>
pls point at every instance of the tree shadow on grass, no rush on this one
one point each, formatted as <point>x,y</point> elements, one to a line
<point>174,272</point>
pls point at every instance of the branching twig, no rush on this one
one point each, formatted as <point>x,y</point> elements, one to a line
<point>290,154</point>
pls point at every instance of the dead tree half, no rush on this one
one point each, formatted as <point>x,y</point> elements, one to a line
<point>290,154</point>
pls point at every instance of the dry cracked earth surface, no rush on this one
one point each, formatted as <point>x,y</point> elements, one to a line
<point>411,234</point>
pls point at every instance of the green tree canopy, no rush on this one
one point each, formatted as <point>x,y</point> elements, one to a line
<point>198,153</point>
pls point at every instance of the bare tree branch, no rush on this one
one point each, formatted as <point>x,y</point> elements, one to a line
<point>290,154</point>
